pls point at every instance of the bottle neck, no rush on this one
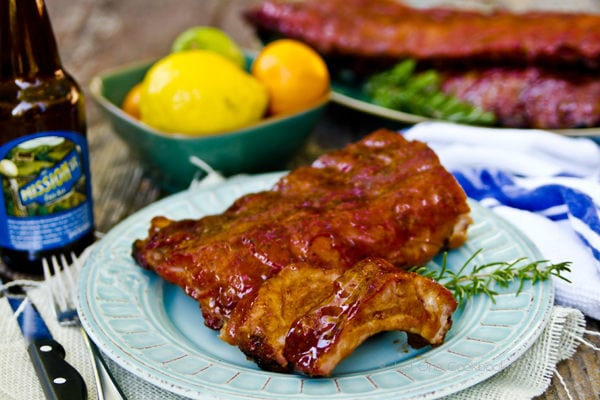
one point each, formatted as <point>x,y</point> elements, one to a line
<point>27,44</point>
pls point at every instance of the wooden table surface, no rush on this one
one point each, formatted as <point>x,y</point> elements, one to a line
<point>96,35</point>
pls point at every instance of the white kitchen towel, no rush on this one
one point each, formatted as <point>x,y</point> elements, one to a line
<point>545,184</point>
<point>525,152</point>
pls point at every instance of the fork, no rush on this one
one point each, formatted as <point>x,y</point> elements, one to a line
<point>61,279</point>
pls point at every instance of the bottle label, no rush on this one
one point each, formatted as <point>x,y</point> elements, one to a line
<point>46,200</point>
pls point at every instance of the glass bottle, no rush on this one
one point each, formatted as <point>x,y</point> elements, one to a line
<point>46,203</point>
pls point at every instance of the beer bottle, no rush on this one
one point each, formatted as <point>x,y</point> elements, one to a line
<point>46,202</point>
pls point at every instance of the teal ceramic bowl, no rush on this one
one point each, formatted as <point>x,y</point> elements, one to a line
<point>265,146</point>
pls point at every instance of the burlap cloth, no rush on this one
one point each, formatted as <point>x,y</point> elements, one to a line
<point>527,377</point>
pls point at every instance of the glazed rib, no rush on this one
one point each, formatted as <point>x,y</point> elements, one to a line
<point>532,70</point>
<point>383,197</point>
<point>260,322</point>
<point>308,319</point>
<point>387,29</point>
<point>530,97</point>
<point>372,297</point>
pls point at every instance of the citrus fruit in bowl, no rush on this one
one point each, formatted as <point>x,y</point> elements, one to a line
<point>294,74</point>
<point>198,92</point>
<point>209,38</point>
<point>265,145</point>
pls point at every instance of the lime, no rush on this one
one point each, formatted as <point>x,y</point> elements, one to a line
<point>197,92</point>
<point>209,38</point>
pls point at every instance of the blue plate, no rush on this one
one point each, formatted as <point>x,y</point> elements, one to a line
<point>153,330</point>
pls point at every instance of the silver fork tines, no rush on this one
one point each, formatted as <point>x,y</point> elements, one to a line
<point>61,279</point>
<point>61,282</point>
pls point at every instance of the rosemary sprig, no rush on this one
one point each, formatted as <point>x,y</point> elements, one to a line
<point>481,278</point>
<point>405,88</point>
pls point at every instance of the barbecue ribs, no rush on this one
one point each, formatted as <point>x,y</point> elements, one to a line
<point>530,97</point>
<point>381,197</point>
<point>309,319</point>
<point>387,29</point>
<point>532,70</point>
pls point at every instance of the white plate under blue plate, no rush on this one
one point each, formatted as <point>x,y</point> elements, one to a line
<point>153,330</point>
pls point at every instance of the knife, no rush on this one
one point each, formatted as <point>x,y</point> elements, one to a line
<point>58,378</point>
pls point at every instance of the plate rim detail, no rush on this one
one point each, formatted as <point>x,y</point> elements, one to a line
<point>143,366</point>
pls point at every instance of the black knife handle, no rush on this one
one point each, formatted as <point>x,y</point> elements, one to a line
<point>59,379</point>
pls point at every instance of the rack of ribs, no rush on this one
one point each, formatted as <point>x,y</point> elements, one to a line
<point>308,319</point>
<point>530,97</point>
<point>389,29</point>
<point>381,197</point>
<point>532,69</point>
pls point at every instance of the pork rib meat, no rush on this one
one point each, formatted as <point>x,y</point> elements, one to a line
<point>308,319</point>
<point>536,69</point>
<point>381,197</point>
<point>379,30</point>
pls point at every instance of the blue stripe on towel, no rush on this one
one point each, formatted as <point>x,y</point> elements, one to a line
<point>556,202</point>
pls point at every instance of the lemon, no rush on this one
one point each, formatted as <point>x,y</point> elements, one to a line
<point>197,92</point>
<point>209,38</point>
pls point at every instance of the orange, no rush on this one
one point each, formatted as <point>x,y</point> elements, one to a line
<point>295,75</point>
<point>131,103</point>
